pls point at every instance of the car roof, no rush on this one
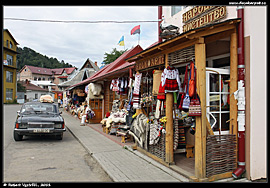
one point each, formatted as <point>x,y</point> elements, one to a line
<point>37,102</point>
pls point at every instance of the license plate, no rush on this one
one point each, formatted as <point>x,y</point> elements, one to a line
<point>41,130</point>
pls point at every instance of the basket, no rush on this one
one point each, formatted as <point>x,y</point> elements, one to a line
<point>159,148</point>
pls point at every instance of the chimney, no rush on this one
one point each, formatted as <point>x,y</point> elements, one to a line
<point>27,81</point>
<point>95,63</point>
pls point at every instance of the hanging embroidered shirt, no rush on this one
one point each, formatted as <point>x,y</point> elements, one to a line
<point>170,79</point>
<point>114,85</point>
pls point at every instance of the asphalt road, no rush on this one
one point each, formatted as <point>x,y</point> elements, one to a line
<point>45,159</point>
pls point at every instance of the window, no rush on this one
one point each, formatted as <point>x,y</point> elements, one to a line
<point>9,76</point>
<point>43,78</point>
<point>217,99</point>
<point>9,94</point>
<point>7,43</point>
<point>35,78</point>
<point>36,96</point>
<point>176,9</point>
<point>10,59</point>
<point>10,44</point>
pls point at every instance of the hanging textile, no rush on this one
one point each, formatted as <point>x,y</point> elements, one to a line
<point>136,92</point>
<point>114,85</point>
<point>170,79</point>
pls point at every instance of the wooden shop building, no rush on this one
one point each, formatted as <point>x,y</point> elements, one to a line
<point>213,48</point>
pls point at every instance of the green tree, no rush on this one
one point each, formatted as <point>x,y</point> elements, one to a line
<point>113,55</point>
<point>27,56</point>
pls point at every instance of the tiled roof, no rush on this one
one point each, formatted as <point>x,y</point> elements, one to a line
<point>30,86</point>
<point>47,71</point>
<point>118,64</point>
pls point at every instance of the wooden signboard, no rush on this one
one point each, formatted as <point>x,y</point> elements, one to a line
<point>151,62</point>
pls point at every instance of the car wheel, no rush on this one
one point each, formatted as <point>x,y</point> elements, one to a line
<point>59,137</point>
<point>17,137</point>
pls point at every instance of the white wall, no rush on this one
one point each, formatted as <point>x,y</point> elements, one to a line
<point>31,94</point>
<point>177,18</point>
<point>255,26</point>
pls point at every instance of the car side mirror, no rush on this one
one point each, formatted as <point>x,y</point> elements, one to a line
<point>18,113</point>
<point>60,112</point>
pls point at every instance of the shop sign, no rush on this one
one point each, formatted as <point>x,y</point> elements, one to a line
<point>155,61</point>
<point>202,15</point>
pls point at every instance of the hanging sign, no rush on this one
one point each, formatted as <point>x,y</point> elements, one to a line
<point>144,64</point>
<point>202,15</point>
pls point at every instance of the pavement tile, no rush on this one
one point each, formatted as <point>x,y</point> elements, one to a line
<point>120,164</point>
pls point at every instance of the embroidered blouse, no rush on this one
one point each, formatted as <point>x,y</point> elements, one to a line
<point>172,74</point>
<point>114,85</point>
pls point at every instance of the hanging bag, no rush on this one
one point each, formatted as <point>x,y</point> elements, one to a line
<point>195,104</point>
<point>192,83</point>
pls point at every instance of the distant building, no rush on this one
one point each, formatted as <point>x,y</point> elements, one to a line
<point>88,69</point>
<point>33,92</point>
<point>56,76</point>
<point>9,66</point>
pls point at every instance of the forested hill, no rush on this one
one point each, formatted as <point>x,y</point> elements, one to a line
<point>27,56</point>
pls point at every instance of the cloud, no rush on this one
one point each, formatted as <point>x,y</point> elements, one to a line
<point>74,43</point>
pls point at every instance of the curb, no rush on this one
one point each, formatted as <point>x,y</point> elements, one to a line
<point>91,154</point>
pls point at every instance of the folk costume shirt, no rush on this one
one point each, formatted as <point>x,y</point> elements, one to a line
<point>170,79</point>
<point>114,85</point>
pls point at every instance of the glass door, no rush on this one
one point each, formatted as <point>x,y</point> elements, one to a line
<point>217,99</point>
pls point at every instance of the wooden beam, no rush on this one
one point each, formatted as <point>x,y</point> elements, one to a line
<point>218,36</point>
<point>213,30</point>
<point>233,87</point>
<point>233,83</point>
<point>169,125</point>
<point>200,135</point>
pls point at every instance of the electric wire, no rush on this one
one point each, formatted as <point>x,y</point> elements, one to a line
<point>83,21</point>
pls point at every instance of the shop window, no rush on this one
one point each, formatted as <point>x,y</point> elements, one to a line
<point>9,94</point>
<point>9,76</point>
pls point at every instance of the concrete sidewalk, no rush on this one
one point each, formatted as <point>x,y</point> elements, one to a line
<point>121,164</point>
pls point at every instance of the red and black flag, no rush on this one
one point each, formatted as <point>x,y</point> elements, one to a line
<point>136,30</point>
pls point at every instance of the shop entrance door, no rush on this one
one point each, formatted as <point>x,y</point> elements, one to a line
<point>96,106</point>
<point>217,99</point>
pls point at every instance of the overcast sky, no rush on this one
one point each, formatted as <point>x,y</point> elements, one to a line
<point>75,42</point>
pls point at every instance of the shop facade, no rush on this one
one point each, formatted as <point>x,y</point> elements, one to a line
<point>213,48</point>
<point>253,47</point>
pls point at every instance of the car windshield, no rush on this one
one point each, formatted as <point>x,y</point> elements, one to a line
<point>39,108</point>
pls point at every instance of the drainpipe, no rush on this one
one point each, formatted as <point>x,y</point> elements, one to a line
<point>159,22</point>
<point>240,96</point>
